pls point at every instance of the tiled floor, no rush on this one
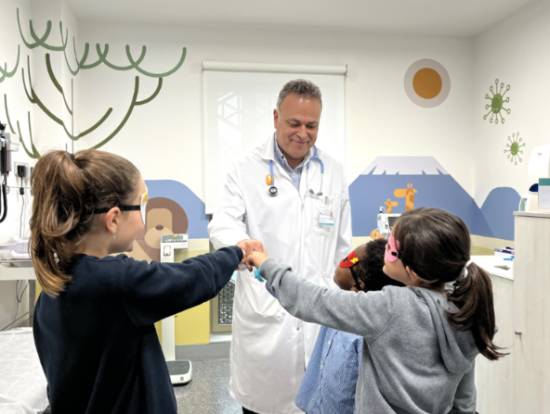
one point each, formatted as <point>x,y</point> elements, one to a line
<point>208,392</point>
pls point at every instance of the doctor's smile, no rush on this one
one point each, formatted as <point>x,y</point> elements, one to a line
<point>296,122</point>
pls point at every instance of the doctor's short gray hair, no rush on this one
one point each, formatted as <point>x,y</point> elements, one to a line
<point>300,87</point>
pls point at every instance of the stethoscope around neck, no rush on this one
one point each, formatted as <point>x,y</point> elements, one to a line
<point>270,179</point>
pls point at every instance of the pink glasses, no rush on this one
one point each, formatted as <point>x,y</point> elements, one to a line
<point>392,250</point>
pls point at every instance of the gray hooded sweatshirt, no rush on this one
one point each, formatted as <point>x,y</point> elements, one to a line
<point>414,360</point>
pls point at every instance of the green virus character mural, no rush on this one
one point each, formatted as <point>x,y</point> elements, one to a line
<point>514,148</point>
<point>497,102</point>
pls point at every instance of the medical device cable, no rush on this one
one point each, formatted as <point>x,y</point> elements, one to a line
<point>9,325</point>
<point>19,296</point>
<point>4,202</point>
<point>23,211</point>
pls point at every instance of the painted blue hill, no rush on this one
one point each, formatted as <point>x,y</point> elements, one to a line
<point>434,188</point>
<point>368,193</point>
<point>498,209</point>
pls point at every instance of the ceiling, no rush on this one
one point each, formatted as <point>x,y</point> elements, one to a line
<point>414,17</point>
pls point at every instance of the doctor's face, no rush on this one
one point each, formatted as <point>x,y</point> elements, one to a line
<point>296,124</point>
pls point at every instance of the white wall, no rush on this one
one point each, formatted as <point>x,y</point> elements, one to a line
<point>516,51</point>
<point>43,129</point>
<point>48,134</point>
<point>381,119</point>
<point>9,40</point>
<point>164,137</point>
<point>17,103</point>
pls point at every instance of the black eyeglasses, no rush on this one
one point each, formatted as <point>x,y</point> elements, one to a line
<point>141,207</point>
<point>123,207</point>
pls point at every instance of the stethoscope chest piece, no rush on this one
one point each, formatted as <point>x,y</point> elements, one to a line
<point>272,190</point>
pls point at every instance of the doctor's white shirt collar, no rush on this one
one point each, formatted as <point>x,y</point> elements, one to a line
<point>281,159</point>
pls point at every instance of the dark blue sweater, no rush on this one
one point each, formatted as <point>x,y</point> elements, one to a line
<point>97,341</point>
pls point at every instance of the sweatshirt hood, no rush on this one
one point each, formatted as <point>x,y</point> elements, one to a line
<point>457,347</point>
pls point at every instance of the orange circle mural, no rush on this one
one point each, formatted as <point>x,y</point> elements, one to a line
<point>427,83</point>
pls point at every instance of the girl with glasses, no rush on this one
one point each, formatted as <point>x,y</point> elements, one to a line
<point>94,320</point>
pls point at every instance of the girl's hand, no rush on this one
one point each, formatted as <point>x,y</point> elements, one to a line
<point>248,246</point>
<point>256,259</point>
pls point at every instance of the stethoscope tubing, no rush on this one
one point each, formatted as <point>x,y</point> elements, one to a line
<point>273,190</point>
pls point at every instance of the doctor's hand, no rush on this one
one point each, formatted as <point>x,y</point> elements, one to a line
<point>248,246</point>
<point>256,259</point>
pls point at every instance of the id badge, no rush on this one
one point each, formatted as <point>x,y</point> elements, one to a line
<point>326,220</point>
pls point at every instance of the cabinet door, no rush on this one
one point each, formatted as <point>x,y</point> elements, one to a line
<point>495,379</point>
<point>532,315</point>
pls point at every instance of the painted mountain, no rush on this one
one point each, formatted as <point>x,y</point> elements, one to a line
<point>394,181</point>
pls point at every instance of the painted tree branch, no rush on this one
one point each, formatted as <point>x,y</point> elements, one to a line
<point>135,63</point>
<point>135,102</point>
<point>8,114</point>
<point>35,99</point>
<point>57,84</point>
<point>74,64</point>
<point>4,72</point>
<point>132,65</point>
<point>102,53</point>
<point>32,152</point>
<point>40,40</point>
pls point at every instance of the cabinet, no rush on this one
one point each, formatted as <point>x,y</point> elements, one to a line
<point>532,313</point>
<point>520,382</point>
<point>494,379</point>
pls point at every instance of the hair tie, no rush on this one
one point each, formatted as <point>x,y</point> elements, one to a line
<point>451,286</point>
<point>464,273</point>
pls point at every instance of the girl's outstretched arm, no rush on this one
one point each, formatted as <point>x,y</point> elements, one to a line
<point>365,314</point>
<point>153,291</point>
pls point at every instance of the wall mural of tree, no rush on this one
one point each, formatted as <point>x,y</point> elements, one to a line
<point>75,63</point>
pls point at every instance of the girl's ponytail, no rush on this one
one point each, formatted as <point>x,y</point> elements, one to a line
<point>473,296</point>
<point>66,189</point>
<point>57,187</point>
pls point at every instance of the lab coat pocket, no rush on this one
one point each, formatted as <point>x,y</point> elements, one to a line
<point>254,299</point>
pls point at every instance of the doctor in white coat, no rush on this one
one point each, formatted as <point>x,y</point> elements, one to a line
<point>293,197</point>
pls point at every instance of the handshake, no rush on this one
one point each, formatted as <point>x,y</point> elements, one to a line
<point>254,253</point>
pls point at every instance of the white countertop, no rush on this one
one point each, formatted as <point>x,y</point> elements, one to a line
<point>540,214</point>
<point>496,266</point>
<point>16,273</point>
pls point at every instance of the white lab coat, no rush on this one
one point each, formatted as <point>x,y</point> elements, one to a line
<point>270,348</point>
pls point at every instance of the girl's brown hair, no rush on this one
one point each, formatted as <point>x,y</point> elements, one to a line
<point>66,190</point>
<point>435,244</point>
